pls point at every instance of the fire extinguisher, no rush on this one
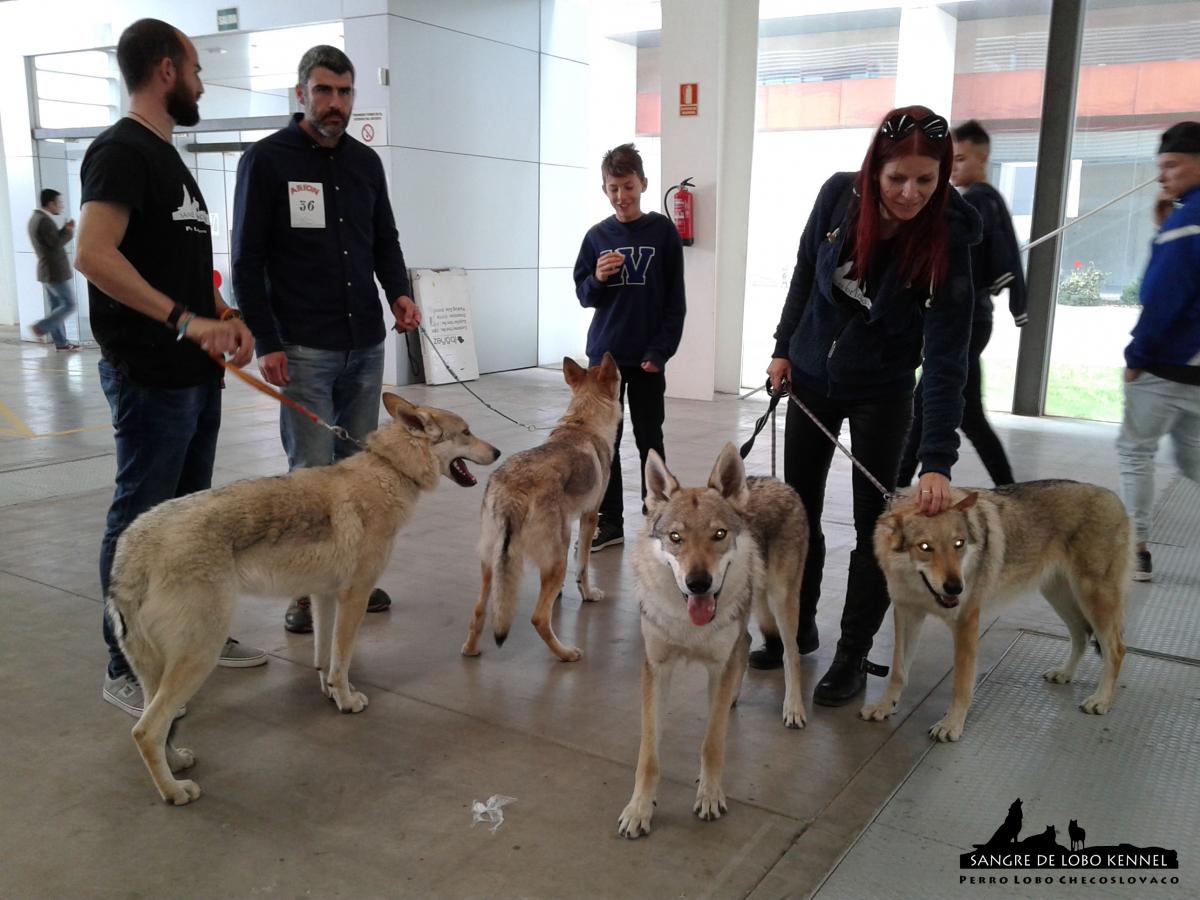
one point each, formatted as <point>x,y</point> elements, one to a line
<point>681,210</point>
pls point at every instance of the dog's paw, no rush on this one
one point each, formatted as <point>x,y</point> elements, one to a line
<point>948,729</point>
<point>468,650</point>
<point>1057,676</point>
<point>877,712</point>
<point>591,595</point>
<point>180,793</point>
<point>710,802</point>
<point>350,701</point>
<point>571,654</point>
<point>1096,705</point>
<point>635,818</point>
<point>179,758</point>
<point>795,717</point>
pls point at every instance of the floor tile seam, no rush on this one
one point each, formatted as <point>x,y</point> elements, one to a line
<point>53,587</point>
<point>1146,652</point>
<point>55,498</point>
<point>56,462</point>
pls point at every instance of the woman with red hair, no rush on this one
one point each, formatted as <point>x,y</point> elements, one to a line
<point>882,285</point>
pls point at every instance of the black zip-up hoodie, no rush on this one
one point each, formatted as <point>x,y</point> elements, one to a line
<point>843,350</point>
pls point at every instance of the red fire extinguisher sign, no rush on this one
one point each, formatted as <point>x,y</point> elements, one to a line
<point>689,99</point>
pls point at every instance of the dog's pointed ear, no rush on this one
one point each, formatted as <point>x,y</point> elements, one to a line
<point>660,483</point>
<point>966,502</point>
<point>573,373</point>
<point>890,527</point>
<point>416,420</point>
<point>609,373</point>
<point>728,476</point>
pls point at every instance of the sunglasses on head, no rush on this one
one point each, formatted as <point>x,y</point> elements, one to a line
<point>935,127</point>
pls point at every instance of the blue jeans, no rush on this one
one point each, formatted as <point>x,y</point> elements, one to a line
<point>343,387</point>
<point>61,296</point>
<point>1155,407</point>
<point>166,443</point>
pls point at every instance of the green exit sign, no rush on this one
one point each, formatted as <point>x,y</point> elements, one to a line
<point>227,19</point>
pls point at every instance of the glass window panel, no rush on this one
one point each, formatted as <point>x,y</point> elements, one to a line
<point>1140,64</point>
<point>57,114</point>
<point>75,88</point>
<point>98,63</point>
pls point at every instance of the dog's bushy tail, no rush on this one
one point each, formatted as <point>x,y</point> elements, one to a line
<point>127,591</point>
<point>499,545</point>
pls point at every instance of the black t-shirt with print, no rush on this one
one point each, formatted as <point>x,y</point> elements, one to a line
<point>170,244</point>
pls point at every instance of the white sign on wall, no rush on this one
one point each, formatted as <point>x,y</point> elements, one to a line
<point>369,126</point>
<point>447,336</point>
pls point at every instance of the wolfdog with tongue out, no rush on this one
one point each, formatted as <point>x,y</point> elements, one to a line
<point>707,557</point>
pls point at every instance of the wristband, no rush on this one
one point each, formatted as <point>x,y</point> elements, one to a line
<point>172,320</point>
<point>231,313</point>
<point>183,325</point>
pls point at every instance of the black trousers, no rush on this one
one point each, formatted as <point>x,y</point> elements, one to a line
<point>647,409</point>
<point>974,421</point>
<point>877,431</point>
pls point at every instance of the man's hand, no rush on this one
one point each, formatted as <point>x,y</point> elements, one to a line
<point>408,317</point>
<point>933,493</point>
<point>1132,375</point>
<point>274,368</point>
<point>651,367</point>
<point>1164,205</point>
<point>221,338</point>
<point>69,226</point>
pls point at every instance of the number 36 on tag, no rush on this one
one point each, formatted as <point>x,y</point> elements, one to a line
<point>306,201</point>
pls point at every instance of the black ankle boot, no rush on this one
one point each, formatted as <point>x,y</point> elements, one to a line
<point>844,681</point>
<point>770,656</point>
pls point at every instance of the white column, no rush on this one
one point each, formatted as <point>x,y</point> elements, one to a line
<point>713,44</point>
<point>925,64</point>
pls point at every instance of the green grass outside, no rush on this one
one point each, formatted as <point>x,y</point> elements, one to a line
<point>1076,392</point>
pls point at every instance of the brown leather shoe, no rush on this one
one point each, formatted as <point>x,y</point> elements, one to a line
<point>298,619</point>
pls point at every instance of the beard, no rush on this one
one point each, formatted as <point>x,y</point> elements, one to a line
<point>325,127</point>
<point>181,107</point>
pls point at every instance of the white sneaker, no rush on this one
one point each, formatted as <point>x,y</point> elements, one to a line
<point>237,656</point>
<point>126,695</point>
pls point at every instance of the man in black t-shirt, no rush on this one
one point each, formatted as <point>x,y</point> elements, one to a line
<point>145,247</point>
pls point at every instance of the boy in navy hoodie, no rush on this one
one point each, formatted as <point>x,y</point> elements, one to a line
<point>630,270</point>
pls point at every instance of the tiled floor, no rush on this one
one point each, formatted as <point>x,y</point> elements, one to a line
<point>301,801</point>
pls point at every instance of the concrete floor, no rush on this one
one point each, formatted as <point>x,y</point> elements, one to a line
<point>302,801</point>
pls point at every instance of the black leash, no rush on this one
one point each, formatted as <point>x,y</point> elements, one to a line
<point>776,396</point>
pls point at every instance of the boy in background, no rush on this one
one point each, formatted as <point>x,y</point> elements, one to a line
<point>995,265</point>
<point>630,270</point>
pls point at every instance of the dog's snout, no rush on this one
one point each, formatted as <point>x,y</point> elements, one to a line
<point>953,587</point>
<point>699,582</point>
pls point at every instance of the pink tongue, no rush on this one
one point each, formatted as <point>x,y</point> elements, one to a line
<point>702,608</point>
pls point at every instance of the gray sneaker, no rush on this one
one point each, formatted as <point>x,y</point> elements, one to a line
<point>237,656</point>
<point>126,695</point>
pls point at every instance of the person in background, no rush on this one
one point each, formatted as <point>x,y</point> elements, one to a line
<point>53,269</point>
<point>883,274</point>
<point>1162,374</point>
<point>995,266</point>
<point>630,271</point>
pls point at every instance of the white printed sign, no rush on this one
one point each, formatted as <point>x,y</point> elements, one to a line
<point>306,201</point>
<point>447,336</point>
<point>369,126</point>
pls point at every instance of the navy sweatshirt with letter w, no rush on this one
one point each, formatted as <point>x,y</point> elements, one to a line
<point>640,309</point>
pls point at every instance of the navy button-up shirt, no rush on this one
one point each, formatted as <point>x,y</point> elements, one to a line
<point>312,227</point>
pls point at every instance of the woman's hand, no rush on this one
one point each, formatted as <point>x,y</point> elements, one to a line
<point>933,493</point>
<point>779,371</point>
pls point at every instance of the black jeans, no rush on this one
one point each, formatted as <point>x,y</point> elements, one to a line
<point>647,409</point>
<point>974,421</point>
<point>877,430</point>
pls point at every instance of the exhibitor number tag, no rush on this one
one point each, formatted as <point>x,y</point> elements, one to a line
<point>306,200</point>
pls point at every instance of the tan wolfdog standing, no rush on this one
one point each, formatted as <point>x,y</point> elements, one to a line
<point>708,557</point>
<point>1074,541</point>
<point>531,501</point>
<point>325,532</point>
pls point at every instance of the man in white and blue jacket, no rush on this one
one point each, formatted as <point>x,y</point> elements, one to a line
<point>1162,375</point>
